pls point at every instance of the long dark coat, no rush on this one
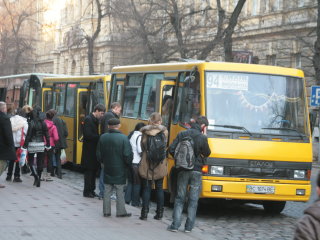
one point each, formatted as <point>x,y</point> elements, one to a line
<point>90,141</point>
<point>62,131</point>
<point>7,150</point>
<point>115,152</point>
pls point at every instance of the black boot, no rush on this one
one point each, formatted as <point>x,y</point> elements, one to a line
<point>159,214</point>
<point>39,178</point>
<point>144,213</point>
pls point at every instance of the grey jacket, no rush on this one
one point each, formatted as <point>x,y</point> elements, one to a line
<point>308,227</point>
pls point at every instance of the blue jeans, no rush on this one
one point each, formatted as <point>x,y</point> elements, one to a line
<point>146,192</point>
<point>194,180</point>
<point>101,183</point>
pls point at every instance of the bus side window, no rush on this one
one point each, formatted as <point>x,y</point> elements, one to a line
<point>132,93</point>
<point>188,99</point>
<point>60,93</point>
<point>47,100</point>
<point>149,94</point>
<point>70,100</point>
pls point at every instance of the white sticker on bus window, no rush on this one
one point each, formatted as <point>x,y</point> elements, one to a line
<point>227,81</point>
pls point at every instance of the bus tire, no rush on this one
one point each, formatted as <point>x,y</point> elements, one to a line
<point>274,207</point>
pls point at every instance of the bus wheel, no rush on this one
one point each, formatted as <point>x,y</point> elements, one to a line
<point>274,207</point>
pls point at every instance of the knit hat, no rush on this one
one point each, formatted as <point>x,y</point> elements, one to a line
<point>113,122</point>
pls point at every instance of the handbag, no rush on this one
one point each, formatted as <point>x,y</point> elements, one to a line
<point>34,147</point>
<point>19,150</point>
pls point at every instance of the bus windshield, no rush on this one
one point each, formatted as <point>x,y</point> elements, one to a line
<point>256,103</point>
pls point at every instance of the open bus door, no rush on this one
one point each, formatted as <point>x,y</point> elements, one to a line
<point>166,107</point>
<point>82,111</point>
<point>47,99</point>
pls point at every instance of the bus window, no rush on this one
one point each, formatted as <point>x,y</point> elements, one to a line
<point>59,97</point>
<point>47,100</point>
<point>70,99</point>
<point>188,99</point>
<point>149,94</point>
<point>132,95</point>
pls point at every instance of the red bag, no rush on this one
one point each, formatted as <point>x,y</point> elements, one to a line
<point>19,150</point>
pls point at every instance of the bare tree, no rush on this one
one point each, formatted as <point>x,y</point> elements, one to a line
<point>170,29</point>
<point>17,21</point>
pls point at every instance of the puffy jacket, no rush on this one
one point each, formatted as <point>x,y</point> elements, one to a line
<point>135,142</point>
<point>18,124</point>
<point>53,132</point>
<point>162,169</point>
<point>201,146</point>
<point>308,227</point>
<point>37,132</point>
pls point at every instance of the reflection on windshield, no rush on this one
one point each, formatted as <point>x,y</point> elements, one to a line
<point>256,102</point>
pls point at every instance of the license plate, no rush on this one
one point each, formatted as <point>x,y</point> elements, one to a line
<point>260,189</point>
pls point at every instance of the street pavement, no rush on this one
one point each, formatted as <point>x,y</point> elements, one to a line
<point>57,211</point>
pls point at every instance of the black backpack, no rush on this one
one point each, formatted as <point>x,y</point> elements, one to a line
<point>184,154</point>
<point>156,150</point>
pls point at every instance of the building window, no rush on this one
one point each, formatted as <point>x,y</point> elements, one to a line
<point>271,60</point>
<point>276,5</point>
<point>254,7</point>
<point>296,60</point>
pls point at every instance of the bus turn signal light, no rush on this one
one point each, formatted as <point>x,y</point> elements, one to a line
<point>205,169</point>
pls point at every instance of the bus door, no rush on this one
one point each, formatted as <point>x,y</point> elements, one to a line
<point>166,94</point>
<point>81,112</point>
<point>47,99</point>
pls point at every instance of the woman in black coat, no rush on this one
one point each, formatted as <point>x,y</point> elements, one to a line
<point>37,133</point>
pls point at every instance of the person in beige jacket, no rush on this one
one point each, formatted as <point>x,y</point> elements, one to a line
<point>150,174</point>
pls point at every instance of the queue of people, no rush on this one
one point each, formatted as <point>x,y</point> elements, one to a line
<point>139,160</point>
<point>32,132</point>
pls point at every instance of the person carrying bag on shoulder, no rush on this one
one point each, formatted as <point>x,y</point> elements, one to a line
<point>190,150</point>
<point>153,166</point>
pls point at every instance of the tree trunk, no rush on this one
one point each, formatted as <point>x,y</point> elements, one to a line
<point>316,56</point>
<point>230,29</point>
<point>90,44</point>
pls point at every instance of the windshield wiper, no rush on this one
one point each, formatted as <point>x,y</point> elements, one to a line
<point>233,127</point>
<point>287,129</point>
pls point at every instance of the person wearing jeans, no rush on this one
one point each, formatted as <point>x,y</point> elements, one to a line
<point>190,177</point>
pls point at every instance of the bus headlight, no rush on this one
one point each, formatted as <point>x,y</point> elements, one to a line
<point>299,174</point>
<point>217,170</point>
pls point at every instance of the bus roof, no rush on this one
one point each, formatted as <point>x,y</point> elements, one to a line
<point>207,66</point>
<point>87,78</point>
<point>31,74</point>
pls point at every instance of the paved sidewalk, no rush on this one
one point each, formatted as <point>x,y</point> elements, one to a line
<point>58,211</point>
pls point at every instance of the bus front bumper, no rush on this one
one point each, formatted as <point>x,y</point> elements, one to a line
<point>255,191</point>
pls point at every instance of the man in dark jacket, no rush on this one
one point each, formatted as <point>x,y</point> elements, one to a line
<point>308,227</point>
<point>114,112</point>
<point>191,177</point>
<point>62,143</point>
<point>115,153</point>
<point>7,150</point>
<point>90,141</point>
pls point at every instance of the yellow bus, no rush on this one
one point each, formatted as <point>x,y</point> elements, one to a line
<point>73,98</point>
<point>258,132</point>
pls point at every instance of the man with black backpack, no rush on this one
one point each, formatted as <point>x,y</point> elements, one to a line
<point>189,149</point>
<point>153,165</point>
